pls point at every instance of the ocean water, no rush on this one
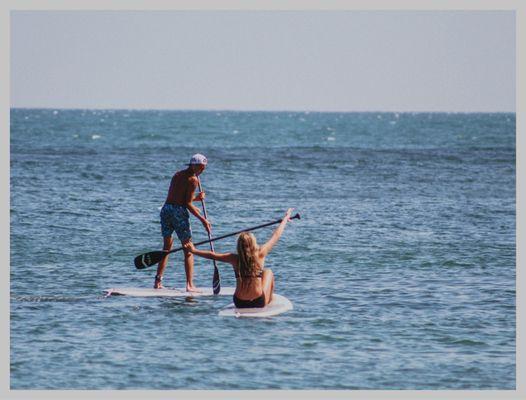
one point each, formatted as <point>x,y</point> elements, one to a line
<point>401,270</point>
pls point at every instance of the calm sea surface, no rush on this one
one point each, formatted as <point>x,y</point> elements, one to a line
<point>401,270</point>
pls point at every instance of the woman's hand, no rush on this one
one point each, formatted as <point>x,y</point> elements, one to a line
<point>287,214</point>
<point>189,247</point>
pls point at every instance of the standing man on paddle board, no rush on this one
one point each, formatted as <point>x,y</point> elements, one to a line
<point>175,216</point>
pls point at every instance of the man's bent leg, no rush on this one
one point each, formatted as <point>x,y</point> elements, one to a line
<point>167,245</point>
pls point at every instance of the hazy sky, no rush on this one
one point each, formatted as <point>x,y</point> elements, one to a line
<point>249,60</point>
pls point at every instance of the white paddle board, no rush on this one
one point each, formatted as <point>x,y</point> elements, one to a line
<point>278,305</point>
<point>151,292</point>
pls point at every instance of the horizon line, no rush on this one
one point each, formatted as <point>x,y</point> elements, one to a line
<point>262,110</point>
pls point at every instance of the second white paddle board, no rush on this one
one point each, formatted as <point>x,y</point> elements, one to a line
<point>278,305</point>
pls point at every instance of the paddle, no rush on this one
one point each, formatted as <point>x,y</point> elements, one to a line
<point>148,259</point>
<point>216,282</point>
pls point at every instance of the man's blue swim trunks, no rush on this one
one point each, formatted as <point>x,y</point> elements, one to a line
<point>176,218</point>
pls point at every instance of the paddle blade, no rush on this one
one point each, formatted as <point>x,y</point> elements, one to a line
<point>148,259</point>
<point>216,283</point>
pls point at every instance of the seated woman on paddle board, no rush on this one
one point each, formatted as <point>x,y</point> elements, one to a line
<point>254,283</point>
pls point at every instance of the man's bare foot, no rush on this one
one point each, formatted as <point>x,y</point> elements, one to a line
<point>192,289</point>
<point>158,284</point>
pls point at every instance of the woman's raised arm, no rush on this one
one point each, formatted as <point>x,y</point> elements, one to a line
<point>265,249</point>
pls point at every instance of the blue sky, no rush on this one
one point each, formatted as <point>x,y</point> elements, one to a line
<point>248,60</point>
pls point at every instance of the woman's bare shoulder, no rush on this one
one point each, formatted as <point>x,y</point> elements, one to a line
<point>261,254</point>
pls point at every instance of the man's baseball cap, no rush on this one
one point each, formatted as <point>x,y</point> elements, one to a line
<point>198,159</point>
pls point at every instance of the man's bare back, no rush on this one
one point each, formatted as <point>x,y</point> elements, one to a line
<point>182,183</point>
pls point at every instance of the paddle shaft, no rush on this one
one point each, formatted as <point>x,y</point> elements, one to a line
<point>206,217</point>
<point>216,282</point>
<point>297,216</point>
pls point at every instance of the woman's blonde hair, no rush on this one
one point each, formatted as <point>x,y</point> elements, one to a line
<point>247,248</point>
